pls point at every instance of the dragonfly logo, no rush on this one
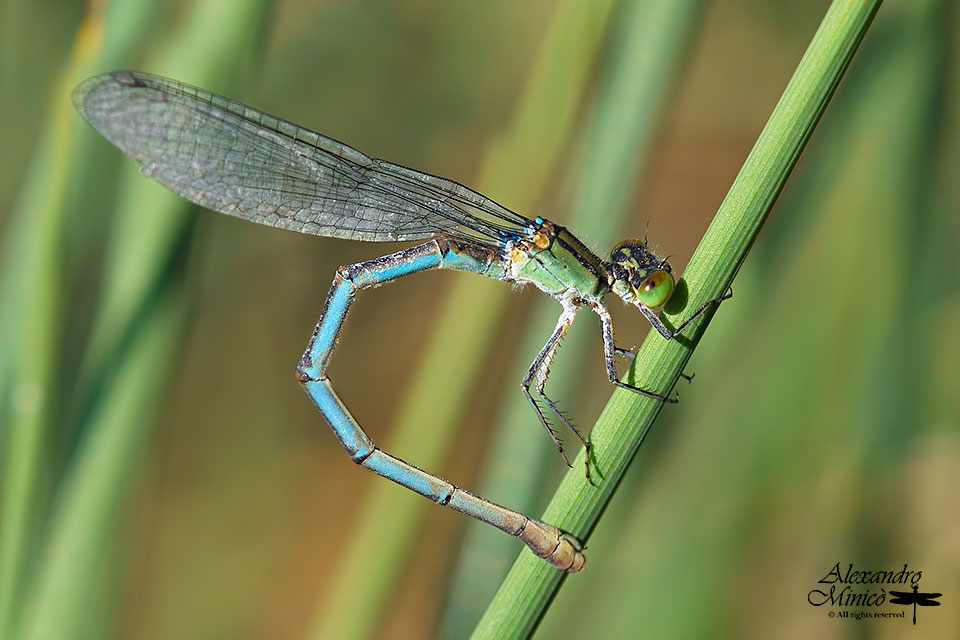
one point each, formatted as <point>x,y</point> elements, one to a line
<point>923,599</point>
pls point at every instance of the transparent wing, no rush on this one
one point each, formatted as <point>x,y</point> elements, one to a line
<point>234,159</point>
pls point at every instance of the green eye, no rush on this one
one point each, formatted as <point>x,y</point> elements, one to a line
<point>656,288</point>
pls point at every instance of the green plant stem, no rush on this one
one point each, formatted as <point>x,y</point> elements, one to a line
<point>576,507</point>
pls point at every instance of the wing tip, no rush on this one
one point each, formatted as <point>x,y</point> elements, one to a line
<point>81,93</point>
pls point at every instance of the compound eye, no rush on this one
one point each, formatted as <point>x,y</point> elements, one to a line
<point>655,289</point>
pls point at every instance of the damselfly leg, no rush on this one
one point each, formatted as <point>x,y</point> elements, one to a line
<point>539,371</point>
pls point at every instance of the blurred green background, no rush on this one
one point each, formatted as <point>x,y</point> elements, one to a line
<point>163,475</point>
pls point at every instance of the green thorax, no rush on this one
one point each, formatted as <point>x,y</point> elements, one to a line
<point>556,262</point>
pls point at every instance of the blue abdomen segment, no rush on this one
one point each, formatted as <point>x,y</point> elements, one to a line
<point>546,541</point>
<point>353,439</point>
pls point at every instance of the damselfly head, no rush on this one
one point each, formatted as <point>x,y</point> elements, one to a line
<point>639,277</point>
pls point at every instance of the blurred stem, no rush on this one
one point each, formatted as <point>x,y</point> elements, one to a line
<point>73,566</point>
<point>514,172</point>
<point>28,360</point>
<point>644,51</point>
<point>576,507</point>
<point>31,326</point>
<point>137,329</point>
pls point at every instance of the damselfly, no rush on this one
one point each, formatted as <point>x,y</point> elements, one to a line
<point>231,158</point>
